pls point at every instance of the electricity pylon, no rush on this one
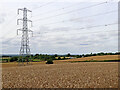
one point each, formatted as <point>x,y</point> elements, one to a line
<point>24,49</point>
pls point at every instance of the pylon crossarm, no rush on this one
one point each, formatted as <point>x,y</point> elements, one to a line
<point>31,32</point>
<point>30,21</point>
<point>19,30</point>
<point>29,10</point>
<point>19,10</point>
<point>18,21</point>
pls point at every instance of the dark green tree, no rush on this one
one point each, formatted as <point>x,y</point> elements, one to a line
<point>12,59</point>
<point>59,58</point>
<point>49,61</point>
<point>55,55</point>
<point>68,55</point>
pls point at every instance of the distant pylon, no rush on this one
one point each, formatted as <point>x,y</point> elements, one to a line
<point>25,55</point>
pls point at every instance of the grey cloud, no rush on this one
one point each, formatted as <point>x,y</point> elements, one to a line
<point>10,42</point>
<point>2,17</point>
<point>1,20</point>
<point>83,20</point>
<point>84,44</point>
<point>76,44</point>
<point>75,40</point>
<point>61,42</point>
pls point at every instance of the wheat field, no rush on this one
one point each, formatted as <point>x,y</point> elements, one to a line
<point>97,58</point>
<point>62,75</point>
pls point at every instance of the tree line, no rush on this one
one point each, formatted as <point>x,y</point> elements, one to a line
<point>46,57</point>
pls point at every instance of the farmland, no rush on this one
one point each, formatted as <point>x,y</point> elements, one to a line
<point>96,58</point>
<point>60,44</point>
<point>63,74</point>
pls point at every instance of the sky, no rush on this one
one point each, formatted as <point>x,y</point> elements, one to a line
<point>61,26</point>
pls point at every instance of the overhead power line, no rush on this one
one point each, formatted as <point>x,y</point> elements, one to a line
<point>71,11</point>
<point>95,32</point>
<point>95,26</point>
<point>98,32</point>
<point>99,14</point>
<point>83,33</point>
<point>55,10</point>
<point>43,5</point>
<point>102,25</point>
<point>83,28</point>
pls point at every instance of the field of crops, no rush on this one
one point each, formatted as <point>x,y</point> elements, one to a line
<point>64,75</point>
<point>96,58</point>
<point>92,58</point>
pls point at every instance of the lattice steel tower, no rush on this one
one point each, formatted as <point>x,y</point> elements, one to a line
<point>24,49</point>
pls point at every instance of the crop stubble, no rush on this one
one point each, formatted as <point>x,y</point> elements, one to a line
<point>68,75</point>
